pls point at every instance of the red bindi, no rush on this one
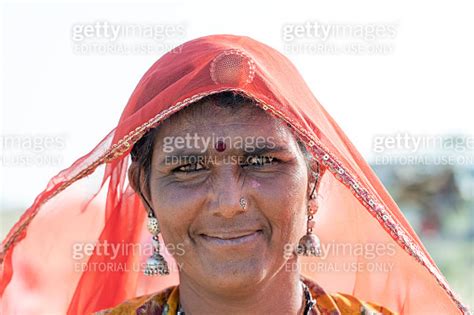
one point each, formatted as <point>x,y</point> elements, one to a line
<point>220,146</point>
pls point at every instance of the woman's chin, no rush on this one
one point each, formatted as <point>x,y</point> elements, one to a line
<point>234,279</point>
<point>232,274</point>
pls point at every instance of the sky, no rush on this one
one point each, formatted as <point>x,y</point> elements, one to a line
<point>61,94</point>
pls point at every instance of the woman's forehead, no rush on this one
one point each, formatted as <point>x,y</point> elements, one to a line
<point>207,119</point>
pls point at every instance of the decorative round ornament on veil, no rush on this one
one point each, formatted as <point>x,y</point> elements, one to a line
<point>232,67</point>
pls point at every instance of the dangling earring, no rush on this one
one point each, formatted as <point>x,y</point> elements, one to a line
<point>156,263</point>
<point>309,244</point>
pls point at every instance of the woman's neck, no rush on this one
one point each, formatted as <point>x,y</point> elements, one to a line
<point>282,294</point>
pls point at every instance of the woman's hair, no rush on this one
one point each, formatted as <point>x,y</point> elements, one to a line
<point>142,150</point>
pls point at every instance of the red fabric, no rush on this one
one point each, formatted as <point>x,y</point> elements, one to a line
<point>91,201</point>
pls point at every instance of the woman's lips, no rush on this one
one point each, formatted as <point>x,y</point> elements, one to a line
<point>232,239</point>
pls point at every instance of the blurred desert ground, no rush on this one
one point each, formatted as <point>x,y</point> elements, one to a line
<point>437,200</point>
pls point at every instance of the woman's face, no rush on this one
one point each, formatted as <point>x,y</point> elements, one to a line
<point>196,188</point>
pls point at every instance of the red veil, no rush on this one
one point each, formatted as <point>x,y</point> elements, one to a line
<point>49,264</point>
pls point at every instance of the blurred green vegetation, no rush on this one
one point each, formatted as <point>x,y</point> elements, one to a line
<point>438,201</point>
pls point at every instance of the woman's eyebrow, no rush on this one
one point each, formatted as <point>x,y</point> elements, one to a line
<point>265,149</point>
<point>192,154</point>
<point>181,155</point>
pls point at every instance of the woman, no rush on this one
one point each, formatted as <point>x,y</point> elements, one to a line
<point>241,171</point>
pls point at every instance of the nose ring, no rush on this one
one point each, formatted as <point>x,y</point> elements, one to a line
<point>243,203</point>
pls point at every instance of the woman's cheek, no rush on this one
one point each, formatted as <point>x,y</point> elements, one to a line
<point>286,209</point>
<point>174,216</point>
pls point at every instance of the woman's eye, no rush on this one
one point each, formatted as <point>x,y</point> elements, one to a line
<point>260,160</point>
<point>189,168</point>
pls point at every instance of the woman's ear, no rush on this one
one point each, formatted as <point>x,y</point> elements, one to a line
<point>311,189</point>
<point>138,183</point>
<point>313,179</point>
<point>134,176</point>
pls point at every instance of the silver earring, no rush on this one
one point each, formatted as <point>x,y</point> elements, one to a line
<point>243,203</point>
<point>309,244</point>
<point>156,263</point>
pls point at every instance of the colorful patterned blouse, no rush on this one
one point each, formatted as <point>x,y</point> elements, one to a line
<point>166,303</point>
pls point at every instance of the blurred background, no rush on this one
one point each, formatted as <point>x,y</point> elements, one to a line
<point>396,76</point>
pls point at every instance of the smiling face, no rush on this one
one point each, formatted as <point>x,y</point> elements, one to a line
<point>196,190</point>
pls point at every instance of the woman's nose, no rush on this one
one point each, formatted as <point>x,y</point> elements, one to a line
<point>226,192</point>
